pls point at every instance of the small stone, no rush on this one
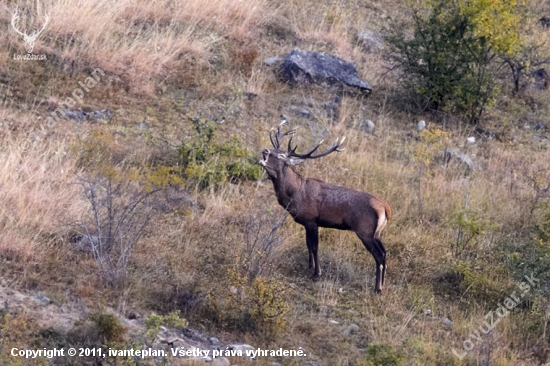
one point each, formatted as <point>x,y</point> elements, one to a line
<point>40,300</point>
<point>214,341</point>
<point>173,340</point>
<point>272,61</point>
<point>179,344</point>
<point>421,125</point>
<point>428,312</point>
<point>368,126</point>
<point>540,126</point>
<point>351,329</point>
<point>331,321</point>
<point>220,361</point>
<point>471,140</point>
<point>447,322</point>
<point>300,111</point>
<point>370,41</point>
<point>461,157</point>
<point>241,347</point>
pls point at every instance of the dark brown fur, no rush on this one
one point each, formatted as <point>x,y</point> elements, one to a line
<point>314,203</point>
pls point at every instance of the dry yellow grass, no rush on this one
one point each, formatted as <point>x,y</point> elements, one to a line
<point>213,51</point>
<point>36,197</point>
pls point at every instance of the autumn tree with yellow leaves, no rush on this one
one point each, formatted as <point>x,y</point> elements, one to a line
<point>449,62</point>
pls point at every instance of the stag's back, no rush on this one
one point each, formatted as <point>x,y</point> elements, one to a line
<point>342,208</point>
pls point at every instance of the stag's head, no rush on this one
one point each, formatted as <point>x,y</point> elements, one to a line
<point>29,39</point>
<point>276,160</point>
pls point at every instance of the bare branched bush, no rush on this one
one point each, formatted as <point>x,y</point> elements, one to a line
<point>539,181</point>
<point>263,236</point>
<point>118,214</point>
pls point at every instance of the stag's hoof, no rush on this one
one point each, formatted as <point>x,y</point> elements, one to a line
<point>377,291</point>
<point>316,278</point>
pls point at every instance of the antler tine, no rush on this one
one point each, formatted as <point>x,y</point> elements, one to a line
<point>280,135</point>
<point>275,139</point>
<point>271,138</point>
<point>308,155</point>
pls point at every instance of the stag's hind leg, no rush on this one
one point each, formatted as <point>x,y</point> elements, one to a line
<point>385,265</point>
<point>376,248</point>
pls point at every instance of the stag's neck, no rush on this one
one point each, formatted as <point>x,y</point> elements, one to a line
<point>287,185</point>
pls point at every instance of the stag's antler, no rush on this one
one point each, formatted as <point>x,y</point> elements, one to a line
<point>276,142</point>
<point>309,155</point>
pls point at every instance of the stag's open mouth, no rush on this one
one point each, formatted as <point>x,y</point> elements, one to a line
<point>265,154</point>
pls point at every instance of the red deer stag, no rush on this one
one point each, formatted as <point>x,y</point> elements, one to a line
<point>314,203</point>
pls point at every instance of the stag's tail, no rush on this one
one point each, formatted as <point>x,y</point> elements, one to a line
<point>388,211</point>
<point>384,214</point>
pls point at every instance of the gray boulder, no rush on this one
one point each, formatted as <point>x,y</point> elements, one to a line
<point>304,67</point>
<point>94,116</point>
<point>101,115</point>
<point>78,116</point>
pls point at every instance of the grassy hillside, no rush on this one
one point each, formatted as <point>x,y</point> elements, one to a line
<point>191,105</point>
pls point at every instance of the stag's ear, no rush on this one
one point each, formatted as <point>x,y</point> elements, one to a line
<point>295,161</point>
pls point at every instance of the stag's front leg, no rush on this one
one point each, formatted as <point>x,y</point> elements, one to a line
<point>312,240</point>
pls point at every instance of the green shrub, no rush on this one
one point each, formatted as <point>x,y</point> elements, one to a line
<point>155,321</point>
<point>208,162</point>
<point>108,327</point>
<point>470,228</point>
<point>449,63</point>
<point>382,355</point>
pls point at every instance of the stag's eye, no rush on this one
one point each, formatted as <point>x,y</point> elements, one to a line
<point>281,156</point>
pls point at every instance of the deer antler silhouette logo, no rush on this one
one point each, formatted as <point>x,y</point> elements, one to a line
<point>30,39</point>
